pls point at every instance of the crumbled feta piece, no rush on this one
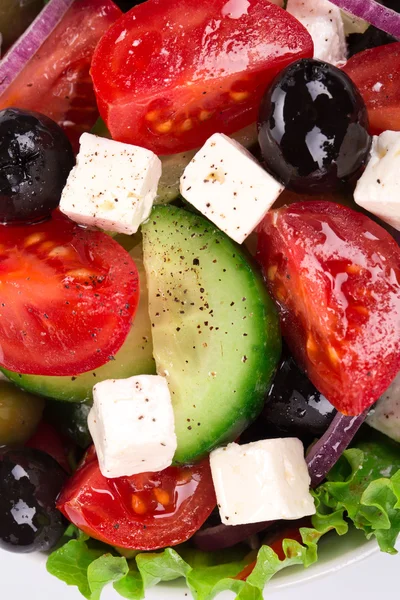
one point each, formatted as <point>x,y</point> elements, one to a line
<point>132,425</point>
<point>262,481</point>
<point>112,186</point>
<point>378,189</point>
<point>385,414</point>
<point>323,21</point>
<point>228,186</point>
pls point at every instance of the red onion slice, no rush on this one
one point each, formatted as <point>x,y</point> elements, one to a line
<point>29,43</point>
<point>374,13</point>
<point>320,459</point>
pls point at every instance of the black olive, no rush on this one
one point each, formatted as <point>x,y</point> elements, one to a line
<point>30,482</point>
<point>313,127</point>
<point>35,160</point>
<point>294,406</point>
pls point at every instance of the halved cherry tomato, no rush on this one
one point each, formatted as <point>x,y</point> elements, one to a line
<point>68,296</point>
<point>143,512</point>
<point>168,75</point>
<point>335,277</point>
<point>48,440</point>
<point>56,81</point>
<point>376,72</point>
<point>276,543</point>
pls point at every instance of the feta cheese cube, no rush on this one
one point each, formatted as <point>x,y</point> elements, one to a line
<point>385,414</point>
<point>132,425</point>
<point>228,186</point>
<point>262,481</point>
<point>378,189</point>
<point>323,21</point>
<point>112,186</point>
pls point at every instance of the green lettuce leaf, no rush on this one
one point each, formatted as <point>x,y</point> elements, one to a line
<point>364,486</point>
<point>363,489</point>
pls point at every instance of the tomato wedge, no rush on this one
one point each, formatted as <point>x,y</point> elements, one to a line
<point>56,82</point>
<point>335,277</point>
<point>67,297</point>
<point>376,72</point>
<point>142,512</point>
<point>168,75</point>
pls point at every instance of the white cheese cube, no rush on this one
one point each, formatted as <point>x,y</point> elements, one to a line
<point>378,189</point>
<point>323,21</point>
<point>112,186</point>
<point>132,425</point>
<point>385,414</point>
<point>261,481</point>
<point>228,186</point>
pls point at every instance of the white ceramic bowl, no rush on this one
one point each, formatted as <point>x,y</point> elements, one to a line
<point>24,577</point>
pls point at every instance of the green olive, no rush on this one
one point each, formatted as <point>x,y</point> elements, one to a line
<point>20,414</point>
<point>15,16</point>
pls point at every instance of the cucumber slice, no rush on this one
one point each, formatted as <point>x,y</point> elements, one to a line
<point>135,357</point>
<point>215,330</point>
<point>173,165</point>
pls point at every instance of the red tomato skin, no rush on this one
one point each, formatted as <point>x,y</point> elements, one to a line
<point>69,296</point>
<point>335,277</point>
<point>101,507</point>
<point>379,65</point>
<point>48,440</point>
<point>56,81</point>
<point>168,88</point>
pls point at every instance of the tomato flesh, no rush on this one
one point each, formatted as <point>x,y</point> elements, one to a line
<point>142,512</point>
<point>335,277</point>
<point>168,75</point>
<point>48,440</point>
<point>56,81</point>
<point>68,297</point>
<point>376,72</point>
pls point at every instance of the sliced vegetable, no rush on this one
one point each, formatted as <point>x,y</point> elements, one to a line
<point>154,89</point>
<point>215,331</point>
<point>362,489</point>
<point>376,73</point>
<point>48,69</point>
<point>135,357</point>
<point>324,454</point>
<point>373,12</point>
<point>335,277</point>
<point>68,297</point>
<point>30,42</point>
<point>142,512</point>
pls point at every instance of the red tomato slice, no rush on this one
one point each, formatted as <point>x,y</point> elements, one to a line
<point>168,75</point>
<point>56,81</point>
<point>48,440</point>
<point>335,277</point>
<point>376,72</point>
<point>142,512</point>
<point>68,296</point>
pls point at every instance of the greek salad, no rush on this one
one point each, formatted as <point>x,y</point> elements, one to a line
<point>199,287</point>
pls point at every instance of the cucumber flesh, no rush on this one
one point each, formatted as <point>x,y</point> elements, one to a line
<point>215,330</point>
<point>135,357</point>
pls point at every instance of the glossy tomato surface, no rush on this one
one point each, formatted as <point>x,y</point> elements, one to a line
<point>168,75</point>
<point>56,81</point>
<point>376,73</point>
<point>68,297</point>
<point>335,277</point>
<point>142,512</point>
